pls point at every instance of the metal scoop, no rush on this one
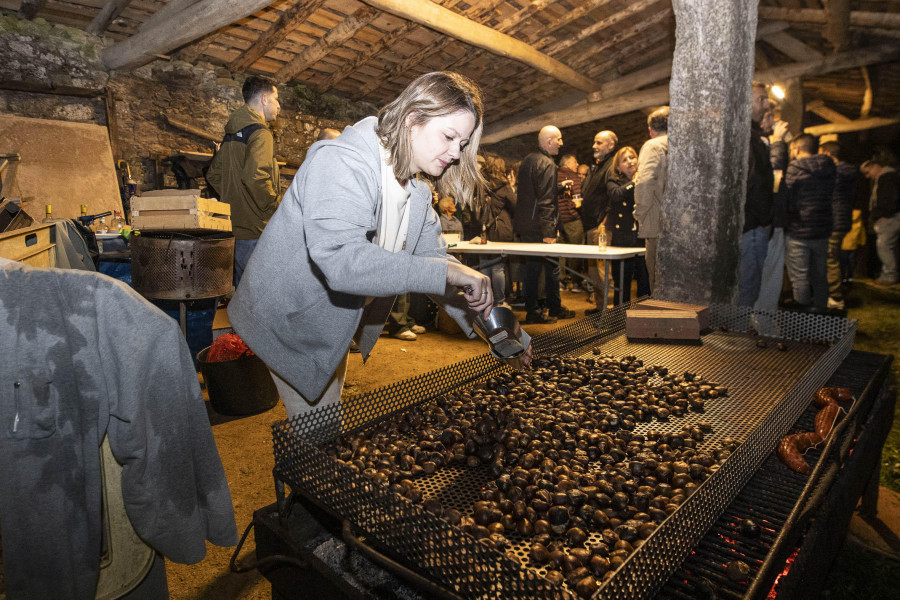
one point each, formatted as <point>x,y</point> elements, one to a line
<point>501,331</point>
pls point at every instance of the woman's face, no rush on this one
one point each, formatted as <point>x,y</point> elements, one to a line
<point>439,141</point>
<point>628,164</point>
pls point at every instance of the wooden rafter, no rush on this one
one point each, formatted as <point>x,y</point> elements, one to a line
<point>336,36</point>
<point>639,28</point>
<point>580,11</point>
<point>402,67</point>
<point>370,53</point>
<point>791,46</point>
<point>110,11</point>
<point>599,26</point>
<point>190,24</point>
<point>837,23</point>
<point>288,21</point>
<point>867,95</point>
<point>168,10</point>
<point>829,114</point>
<point>471,32</point>
<point>814,15</point>
<point>858,125</point>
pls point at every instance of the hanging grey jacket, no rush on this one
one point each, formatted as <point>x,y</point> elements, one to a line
<point>83,356</point>
<point>303,295</point>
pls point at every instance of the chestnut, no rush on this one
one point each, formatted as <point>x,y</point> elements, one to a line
<point>737,570</point>
<point>586,587</point>
<point>576,536</point>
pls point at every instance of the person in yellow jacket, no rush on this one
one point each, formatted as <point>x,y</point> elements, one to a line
<point>244,172</point>
<point>854,239</point>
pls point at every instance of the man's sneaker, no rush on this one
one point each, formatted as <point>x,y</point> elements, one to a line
<point>354,347</point>
<point>592,311</point>
<point>576,289</point>
<point>563,313</point>
<point>405,335</point>
<point>418,329</point>
<point>538,318</point>
<point>836,304</point>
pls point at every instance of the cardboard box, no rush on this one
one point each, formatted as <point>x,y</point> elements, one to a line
<point>702,312</point>
<point>663,324</point>
<point>179,210</point>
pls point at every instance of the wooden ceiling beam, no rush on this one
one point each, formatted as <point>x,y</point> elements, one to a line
<point>857,125</point>
<point>639,27</point>
<point>837,23</point>
<point>581,11</point>
<point>371,53</point>
<point>336,36</point>
<point>169,9</point>
<point>867,95</point>
<point>471,32</point>
<point>599,26</point>
<point>590,111</point>
<point>818,107</point>
<point>110,11</point>
<point>815,15</point>
<point>276,33</point>
<point>186,26</point>
<point>791,46</point>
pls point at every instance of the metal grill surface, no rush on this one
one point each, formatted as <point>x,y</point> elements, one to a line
<point>769,389</point>
<point>178,266</point>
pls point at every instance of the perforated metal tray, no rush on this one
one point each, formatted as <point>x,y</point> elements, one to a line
<point>769,389</point>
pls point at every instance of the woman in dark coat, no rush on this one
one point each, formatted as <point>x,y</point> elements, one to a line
<point>496,213</point>
<point>620,224</point>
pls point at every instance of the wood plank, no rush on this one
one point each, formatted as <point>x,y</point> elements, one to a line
<point>186,26</point>
<point>110,11</point>
<point>704,316</point>
<point>277,32</point>
<point>857,125</point>
<point>791,46</point>
<point>64,164</point>
<point>340,33</point>
<point>837,23</point>
<point>818,107</point>
<point>890,20</point>
<point>599,26</point>
<point>450,23</point>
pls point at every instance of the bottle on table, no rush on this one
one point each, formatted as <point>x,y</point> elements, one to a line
<point>101,227</point>
<point>483,234</point>
<point>601,239</point>
<point>48,214</point>
<point>117,222</point>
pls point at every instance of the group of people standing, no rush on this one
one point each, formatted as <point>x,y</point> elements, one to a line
<point>799,216</point>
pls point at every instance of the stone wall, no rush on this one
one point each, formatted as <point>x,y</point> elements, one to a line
<point>41,55</point>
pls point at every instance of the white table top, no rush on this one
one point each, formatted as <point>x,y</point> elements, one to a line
<point>552,250</point>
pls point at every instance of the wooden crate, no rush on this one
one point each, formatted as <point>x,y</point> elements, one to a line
<point>663,324</point>
<point>34,246</point>
<point>179,210</point>
<point>702,312</point>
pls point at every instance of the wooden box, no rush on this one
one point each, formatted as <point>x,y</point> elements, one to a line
<point>663,324</point>
<point>34,246</point>
<point>179,210</point>
<point>702,312</point>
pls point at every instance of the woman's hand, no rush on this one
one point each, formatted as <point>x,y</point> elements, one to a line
<point>480,298</point>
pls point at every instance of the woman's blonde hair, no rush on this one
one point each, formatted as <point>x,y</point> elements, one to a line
<point>620,155</point>
<point>433,95</point>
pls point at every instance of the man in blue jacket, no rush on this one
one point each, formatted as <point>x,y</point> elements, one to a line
<point>810,182</point>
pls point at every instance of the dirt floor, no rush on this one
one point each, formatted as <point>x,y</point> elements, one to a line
<point>245,445</point>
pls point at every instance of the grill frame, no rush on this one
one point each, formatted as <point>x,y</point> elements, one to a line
<point>393,524</point>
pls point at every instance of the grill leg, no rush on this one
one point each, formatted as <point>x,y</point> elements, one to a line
<point>868,504</point>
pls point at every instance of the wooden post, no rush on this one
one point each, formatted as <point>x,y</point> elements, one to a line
<point>792,107</point>
<point>709,140</point>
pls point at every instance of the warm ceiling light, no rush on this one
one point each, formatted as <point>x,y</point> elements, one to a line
<point>778,92</point>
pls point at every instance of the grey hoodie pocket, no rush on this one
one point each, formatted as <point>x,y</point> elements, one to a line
<point>31,410</point>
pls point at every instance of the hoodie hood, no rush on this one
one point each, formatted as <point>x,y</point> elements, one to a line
<point>242,117</point>
<point>817,166</point>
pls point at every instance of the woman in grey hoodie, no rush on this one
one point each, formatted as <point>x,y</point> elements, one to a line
<point>354,230</point>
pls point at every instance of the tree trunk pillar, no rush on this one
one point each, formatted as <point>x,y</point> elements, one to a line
<point>709,141</point>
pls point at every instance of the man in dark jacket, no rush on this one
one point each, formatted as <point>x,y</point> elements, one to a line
<point>244,171</point>
<point>536,220</point>
<point>841,213</point>
<point>595,203</point>
<point>884,216</point>
<point>758,206</point>
<point>810,182</point>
